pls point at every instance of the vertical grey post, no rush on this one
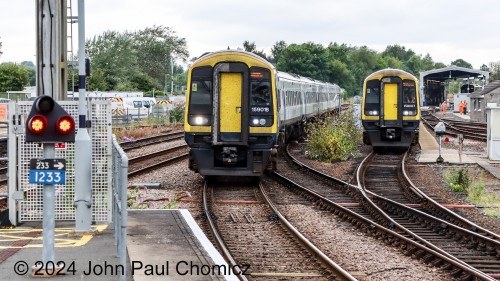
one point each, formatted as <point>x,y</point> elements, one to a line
<point>49,209</point>
<point>83,145</point>
<point>124,215</point>
<point>51,48</point>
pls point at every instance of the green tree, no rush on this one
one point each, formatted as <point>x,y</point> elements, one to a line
<point>1,48</point>
<point>114,55</point>
<point>427,63</point>
<point>339,73</point>
<point>13,77</point>
<point>461,63</point>
<point>155,48</point>
<point>388,61</point>
<point>339,52</point>
<point>438,65</point>
<point>398,52</point>
<point>308,59</point>
<point>276,50</point>
<point>413,65</point>
<point>251,47</point>
<point>32,72</point>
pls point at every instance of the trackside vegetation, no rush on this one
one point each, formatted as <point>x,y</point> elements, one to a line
<point>335,139</point>
<point>459,180</point>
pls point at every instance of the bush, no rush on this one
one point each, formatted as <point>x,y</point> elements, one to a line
<point>335,139</point>
<point>177,114</point>
<point>458,179</point>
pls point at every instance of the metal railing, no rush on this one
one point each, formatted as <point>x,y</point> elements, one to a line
<point>120,217</point>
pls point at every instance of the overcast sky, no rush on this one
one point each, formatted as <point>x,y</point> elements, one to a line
<point>446,29</point>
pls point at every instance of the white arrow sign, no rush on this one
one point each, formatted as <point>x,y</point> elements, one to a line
<point>59,165</point>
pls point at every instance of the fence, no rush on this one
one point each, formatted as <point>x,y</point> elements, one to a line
<point>29,200</point>
<point>120,217</point>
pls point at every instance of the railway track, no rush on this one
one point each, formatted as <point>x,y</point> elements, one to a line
<point>251,232</point>
<point>470,130</point>
<point>382,178</point>
<point>138,143</point>
<point>371,217</point>
<point>148,162</point>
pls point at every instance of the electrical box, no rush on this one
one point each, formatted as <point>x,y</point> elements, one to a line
<point>440,129</point>
<point>493,142</point>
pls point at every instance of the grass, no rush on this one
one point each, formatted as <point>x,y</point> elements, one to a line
<point>459,180</point>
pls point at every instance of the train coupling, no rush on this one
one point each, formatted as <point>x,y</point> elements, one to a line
<point>390,134</point>
<point>229,155</point>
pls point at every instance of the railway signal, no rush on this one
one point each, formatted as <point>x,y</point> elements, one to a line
<point>48,122</point>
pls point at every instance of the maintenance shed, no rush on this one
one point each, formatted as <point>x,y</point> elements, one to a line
<point>480,100</point>
<point>432,82</point>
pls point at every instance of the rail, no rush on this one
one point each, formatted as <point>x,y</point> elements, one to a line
<point>120,216</point>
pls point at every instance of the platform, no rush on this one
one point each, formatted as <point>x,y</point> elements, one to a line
<point>430,150</point>
<point>21,248</point>
<point>171,239</point>
<point>157,239</point>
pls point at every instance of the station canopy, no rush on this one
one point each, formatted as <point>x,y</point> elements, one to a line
<point>443,74</point>
<point>432,82</point>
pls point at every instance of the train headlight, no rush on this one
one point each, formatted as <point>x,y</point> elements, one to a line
<point>261,121</point>
<point>409,112</point>
<point>199,120</point>
<point>372,113</point>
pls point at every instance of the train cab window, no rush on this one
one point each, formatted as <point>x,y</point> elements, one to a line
<point>409,98</point>
<point>260,91</point>
<point>201,91</point>
<point>372,97</point>
<point>200,103</point>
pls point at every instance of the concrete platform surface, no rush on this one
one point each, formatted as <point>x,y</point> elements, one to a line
<point>449,156</point>
<point>161,244</point>
<point>171,242</point>
<point>83,258</point>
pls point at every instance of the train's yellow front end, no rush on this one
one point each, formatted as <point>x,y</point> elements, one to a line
<point>391,109</point>
<point>230,119</point>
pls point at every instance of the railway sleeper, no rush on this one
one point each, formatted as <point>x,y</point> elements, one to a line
<point>466,277</point>
<point>419,254</point>
<point>428,258</point>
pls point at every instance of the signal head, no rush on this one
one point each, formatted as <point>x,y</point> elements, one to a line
<point>37,124</point>
<point>65,125</point>
<point>48,122</point>
<point>44,104</point>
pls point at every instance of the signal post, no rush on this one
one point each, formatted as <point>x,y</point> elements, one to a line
<point>48,123</point>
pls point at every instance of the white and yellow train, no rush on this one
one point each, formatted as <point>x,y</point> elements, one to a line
<point>391,109</point>
<point>239,109</point>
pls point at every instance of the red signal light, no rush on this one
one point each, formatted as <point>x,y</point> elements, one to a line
<point>37,124</point>
<point>65,125</point>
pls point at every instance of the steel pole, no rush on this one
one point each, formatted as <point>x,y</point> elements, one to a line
<point>83,144</point>
<point>49,209</point>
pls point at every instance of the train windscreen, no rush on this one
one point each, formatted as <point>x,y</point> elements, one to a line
<point>409,98</point>
<point>200,103</point>
<point>260,96</point>
<point>372,97</point>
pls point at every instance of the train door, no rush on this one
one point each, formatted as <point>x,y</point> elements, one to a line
<point>231,104</point>
<point>391,102</point>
